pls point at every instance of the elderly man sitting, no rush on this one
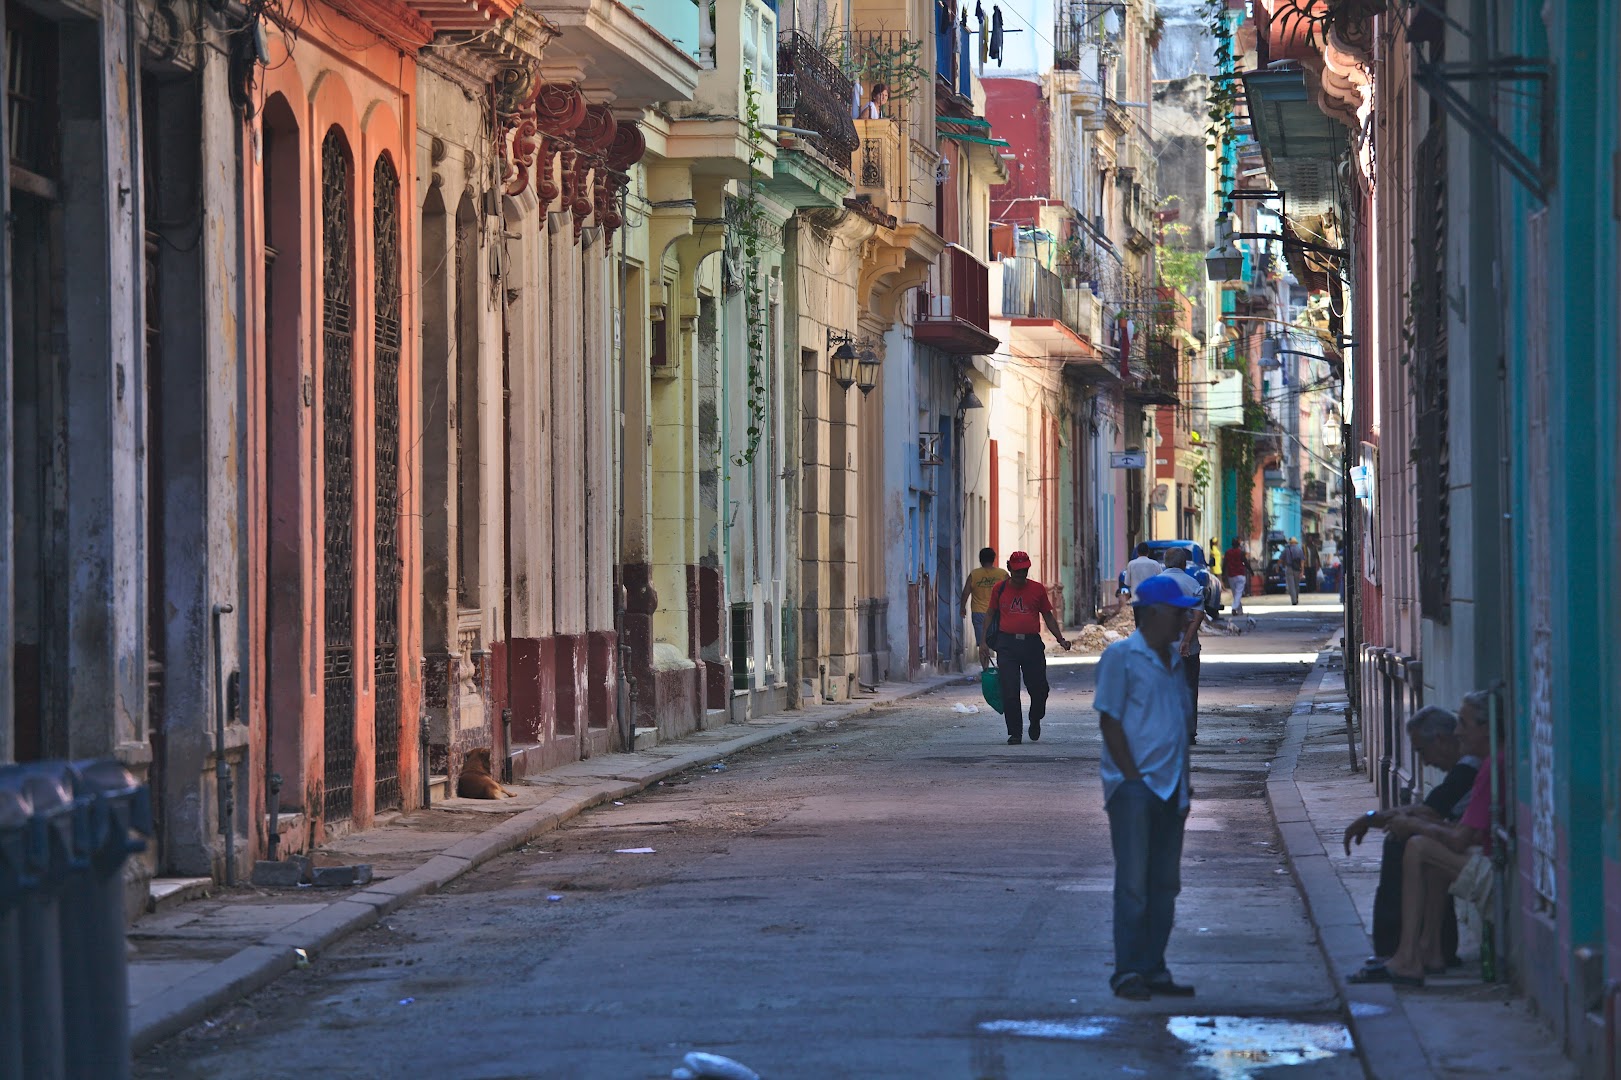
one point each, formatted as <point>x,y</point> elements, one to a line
<point>1435,855</point>
<point>1433,732</point>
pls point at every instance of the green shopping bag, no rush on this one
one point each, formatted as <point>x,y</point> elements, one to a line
<point>990,684</point>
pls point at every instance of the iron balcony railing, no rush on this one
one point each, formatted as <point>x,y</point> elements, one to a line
<point>814,94</point>
<point>955,315</point>
<point>1030,290</point>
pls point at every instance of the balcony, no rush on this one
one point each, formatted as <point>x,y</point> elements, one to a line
<point>814,95</point>
<point>955,316</point>
<point>1053,320</point>
<point>645,55</point>
<point>879,172</point>
<point>739,50</point>
<point>676,21</point>
<point>1154,377</point>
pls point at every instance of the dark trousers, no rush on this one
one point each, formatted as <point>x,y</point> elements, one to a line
<point>1022,660</point>
<point>1387,907</point>
<point>1190,672</point>
<point>1146,833</point>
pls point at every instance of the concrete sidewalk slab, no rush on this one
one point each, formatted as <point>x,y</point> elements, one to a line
<point>1426,1032</point>
<point>260,933</point>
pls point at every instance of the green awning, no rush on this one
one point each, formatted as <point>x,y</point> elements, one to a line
<point>960,137</point>
<point>972,121</point>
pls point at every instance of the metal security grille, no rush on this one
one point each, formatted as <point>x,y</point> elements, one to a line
<point>386,616</point>
<point>337,325</point>
<point>1429,374</point>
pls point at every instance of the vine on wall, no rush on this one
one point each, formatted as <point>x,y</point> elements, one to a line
<point>1239,451</point>
<point>1222,104</point>
<point>747,229</point>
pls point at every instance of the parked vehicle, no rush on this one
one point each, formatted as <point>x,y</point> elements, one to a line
<point>1196,565</point>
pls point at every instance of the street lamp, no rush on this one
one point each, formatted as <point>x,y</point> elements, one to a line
<point>1224,262</point>
<point>843,357</point>
<point>868,367</point>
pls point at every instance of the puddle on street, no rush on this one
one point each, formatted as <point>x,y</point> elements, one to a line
<point>1081,1027</point>
<point>1228,1047</point>
<point>1237,1047</point>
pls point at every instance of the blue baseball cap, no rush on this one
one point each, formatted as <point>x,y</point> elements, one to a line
<point>1160,589</point>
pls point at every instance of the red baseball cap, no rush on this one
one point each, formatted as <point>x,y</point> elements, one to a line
<point>1019,560</point>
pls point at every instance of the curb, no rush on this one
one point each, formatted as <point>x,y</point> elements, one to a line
<point>1380,1027</point>
<point>257,966</point>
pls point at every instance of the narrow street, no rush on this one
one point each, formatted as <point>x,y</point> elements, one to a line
<point>903,895</point>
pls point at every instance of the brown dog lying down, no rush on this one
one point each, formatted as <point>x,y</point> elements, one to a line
<point>476,780</point>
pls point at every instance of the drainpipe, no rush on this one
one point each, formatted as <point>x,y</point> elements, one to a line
<point>222,768</point>
<point>626,723</point>
<point>506,529</point>
<point>1494,711</point>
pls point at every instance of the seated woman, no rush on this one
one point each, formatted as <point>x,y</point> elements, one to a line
<point>1436,853</point>
<point>1433,732</point>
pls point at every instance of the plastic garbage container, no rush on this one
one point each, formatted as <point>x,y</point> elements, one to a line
<point>110,809</point>
<point>47,860</point>
<point>16,810</point>
<point>65,834</point>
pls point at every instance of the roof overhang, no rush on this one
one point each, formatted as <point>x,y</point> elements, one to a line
<point>1301,145</point>
<point>602,43</point>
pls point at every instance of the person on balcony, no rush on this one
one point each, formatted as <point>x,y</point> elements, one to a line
<point>877,104</point>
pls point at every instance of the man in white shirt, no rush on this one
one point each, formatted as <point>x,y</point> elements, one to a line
<point>1142,704</point>
<point>1140,569</point>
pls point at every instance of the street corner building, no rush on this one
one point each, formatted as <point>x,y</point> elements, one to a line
<point>389,380</point>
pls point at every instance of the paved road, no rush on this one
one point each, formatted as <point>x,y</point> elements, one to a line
<point>899,896</point>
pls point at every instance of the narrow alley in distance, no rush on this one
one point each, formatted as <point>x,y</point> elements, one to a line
<point>899,895</point>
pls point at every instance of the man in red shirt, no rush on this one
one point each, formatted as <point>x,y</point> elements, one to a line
<point>1021,605</point>
<point>1235,567</point>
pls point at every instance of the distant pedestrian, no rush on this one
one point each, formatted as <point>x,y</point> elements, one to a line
<point>1294,562</point>
<point>1142,704</point>
<point>1176,563</point>
<point>1143,567</point>
<point>1235,567</point>
<point>981,581</point>
<point>1019,605</point>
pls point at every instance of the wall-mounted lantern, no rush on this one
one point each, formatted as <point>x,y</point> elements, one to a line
<point>867,376</point>
<point>842,353</point>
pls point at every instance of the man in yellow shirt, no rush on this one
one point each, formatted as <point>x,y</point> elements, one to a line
<point>979,585</point>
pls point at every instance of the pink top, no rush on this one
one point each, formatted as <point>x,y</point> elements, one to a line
<point>1478,814</point>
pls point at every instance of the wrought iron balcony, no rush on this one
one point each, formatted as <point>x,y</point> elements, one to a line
<point>815,95</point>
<point>955,316</point>
<point>1154,376</point>
<point>1032,292</point>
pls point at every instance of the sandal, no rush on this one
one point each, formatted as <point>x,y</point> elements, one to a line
<point>1370,973</point>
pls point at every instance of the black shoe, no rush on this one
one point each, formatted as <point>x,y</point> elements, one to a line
<point>1014,740</point>
<point>1132,987</point>
<point>1167,988</point>
<point>1035,731</point>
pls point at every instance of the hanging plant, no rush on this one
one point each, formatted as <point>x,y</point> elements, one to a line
<point>747,226</point>
<point>1222,105</point>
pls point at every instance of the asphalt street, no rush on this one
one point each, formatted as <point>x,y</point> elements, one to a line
<point>901,895</point>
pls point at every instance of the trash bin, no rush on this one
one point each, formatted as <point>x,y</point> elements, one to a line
<point>110,807</point>
<point>16,809</point>
<point>65,832</point>
<point>46,789</point>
